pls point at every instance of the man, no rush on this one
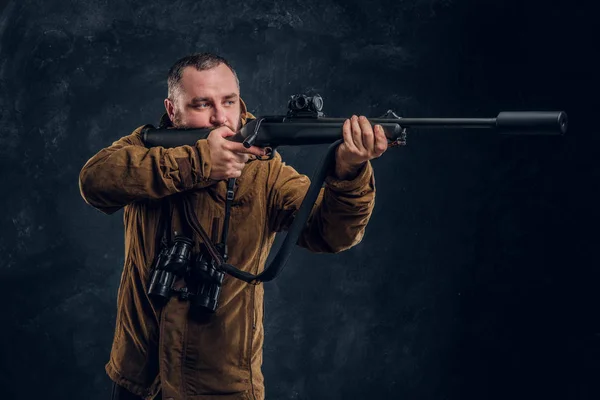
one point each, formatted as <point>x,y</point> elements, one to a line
<point>160,347</point>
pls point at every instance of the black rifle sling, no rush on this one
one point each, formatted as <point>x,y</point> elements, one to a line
<point>228,201</point>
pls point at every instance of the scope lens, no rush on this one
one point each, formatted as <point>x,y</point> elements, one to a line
<point>317,102</point>
<point>562,120</point>
<point>300,102</point>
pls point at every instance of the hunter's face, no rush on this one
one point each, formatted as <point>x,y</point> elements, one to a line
<point>206,99</point>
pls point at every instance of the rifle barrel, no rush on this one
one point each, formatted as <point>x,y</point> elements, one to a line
<point>441,122</point>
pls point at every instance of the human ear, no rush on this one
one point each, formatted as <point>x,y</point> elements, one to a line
<point>170,107</point>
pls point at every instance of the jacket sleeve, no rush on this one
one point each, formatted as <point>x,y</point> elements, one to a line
<point>128,171</point>
<point>339,216</point>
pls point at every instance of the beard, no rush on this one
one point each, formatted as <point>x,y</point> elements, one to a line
<point>176,121</point>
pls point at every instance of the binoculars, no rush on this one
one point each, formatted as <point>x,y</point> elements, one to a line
<point>203,280</point>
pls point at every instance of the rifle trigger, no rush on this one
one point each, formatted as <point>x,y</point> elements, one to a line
<point>400,141</point>
<point>270,155</point>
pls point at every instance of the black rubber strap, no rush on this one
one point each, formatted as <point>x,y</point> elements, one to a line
<point>228,201</point>
<point>192,221</point>
<point>217,252</point>
<point>164,229</point>
<point>276,266</point>
<point>214,253</point>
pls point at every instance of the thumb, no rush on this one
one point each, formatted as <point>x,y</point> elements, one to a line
<point>220,134</point>
<point>225,132</point>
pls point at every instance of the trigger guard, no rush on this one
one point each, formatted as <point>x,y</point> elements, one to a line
<point>270,156</point>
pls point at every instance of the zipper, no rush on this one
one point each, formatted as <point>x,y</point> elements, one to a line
<point>253,305</point>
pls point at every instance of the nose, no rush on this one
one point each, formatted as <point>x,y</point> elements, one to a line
<point>218,117</point>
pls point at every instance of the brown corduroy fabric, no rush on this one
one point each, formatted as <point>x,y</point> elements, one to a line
<point>163,347</point>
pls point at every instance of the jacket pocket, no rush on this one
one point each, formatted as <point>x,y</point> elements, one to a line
<point>216,346</point>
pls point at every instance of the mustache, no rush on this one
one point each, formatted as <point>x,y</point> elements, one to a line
<point>222,125</point>
<point>211,127</point>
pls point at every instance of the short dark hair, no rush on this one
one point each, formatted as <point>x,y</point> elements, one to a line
<point>200,61</point>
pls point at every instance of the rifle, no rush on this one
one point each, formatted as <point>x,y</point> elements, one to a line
<point>305,124</point>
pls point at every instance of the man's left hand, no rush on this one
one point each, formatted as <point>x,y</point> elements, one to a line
<point>362,143</point>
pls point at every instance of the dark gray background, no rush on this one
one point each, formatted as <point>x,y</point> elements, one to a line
<point>477,278</point>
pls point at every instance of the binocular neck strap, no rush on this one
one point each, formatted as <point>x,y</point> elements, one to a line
<point>228,201</point>
<point>189,216</point>
<point>165,226</point>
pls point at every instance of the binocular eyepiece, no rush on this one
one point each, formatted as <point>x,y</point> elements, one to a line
<point>208,280</point>
<point>202,278</point>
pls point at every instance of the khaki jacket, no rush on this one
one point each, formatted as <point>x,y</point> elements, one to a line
<point>218,356</point>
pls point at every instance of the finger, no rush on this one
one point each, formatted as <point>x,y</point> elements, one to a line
<point>347,132</point>
<point>234,170</point>
<point>239,166</point>
<point>239,148</point>
<point>232,173</point>
<point>357,134</point>
<point>381,141</point>
<point>219,133</point>
<point>367,134</point>
<point>240,157</point>
<point>225,131</point>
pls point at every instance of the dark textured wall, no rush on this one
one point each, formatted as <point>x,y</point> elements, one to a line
<point>477,278</point>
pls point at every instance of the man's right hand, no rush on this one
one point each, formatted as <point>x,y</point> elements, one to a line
<point>228,158</point>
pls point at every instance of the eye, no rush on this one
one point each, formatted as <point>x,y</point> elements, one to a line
<point>230,102</point>
<point>201,105</point>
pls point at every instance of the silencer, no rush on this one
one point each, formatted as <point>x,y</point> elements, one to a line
<point>532,122</point>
